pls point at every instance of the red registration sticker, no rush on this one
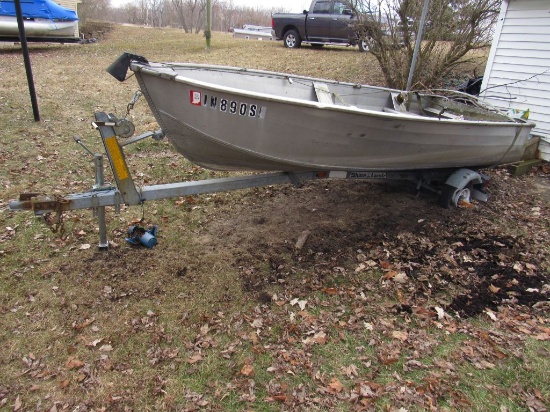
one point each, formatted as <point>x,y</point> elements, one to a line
<point>195,98</point>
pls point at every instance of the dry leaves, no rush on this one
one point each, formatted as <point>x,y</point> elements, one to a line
<point>74,363</point>
<point>247,370</point>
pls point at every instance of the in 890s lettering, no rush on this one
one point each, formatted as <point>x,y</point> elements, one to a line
<point>227,106</point>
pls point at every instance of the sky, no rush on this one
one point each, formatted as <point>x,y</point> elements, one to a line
<point>293,6</point>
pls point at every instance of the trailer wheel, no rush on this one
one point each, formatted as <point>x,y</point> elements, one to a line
<point>452,196</point>
<point>363,45</point>
<point>292,39</point>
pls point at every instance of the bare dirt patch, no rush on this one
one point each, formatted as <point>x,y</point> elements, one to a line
<point>469,257</point>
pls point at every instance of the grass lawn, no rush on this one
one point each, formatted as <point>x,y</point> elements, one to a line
<point>225,313</point>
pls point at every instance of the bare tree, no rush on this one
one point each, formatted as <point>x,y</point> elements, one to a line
<point>93,10</point>
<point>156,10</point>
<point>224,15</point>
<point>190,14</point>
<point>141,12</point>
<point>180,9</point>
<point>130,13</point>
<point>452,30</point>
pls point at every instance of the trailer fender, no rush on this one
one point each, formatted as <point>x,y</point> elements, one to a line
<point>461,177</point>
<point>461,186</point>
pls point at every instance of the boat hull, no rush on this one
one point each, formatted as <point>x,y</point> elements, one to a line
<point>252,34</point>
<point>37,28</point>
<point>226,128</point>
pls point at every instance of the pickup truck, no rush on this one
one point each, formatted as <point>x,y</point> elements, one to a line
<point>326,22</point>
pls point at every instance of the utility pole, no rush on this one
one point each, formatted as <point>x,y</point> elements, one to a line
<point>208,31</point>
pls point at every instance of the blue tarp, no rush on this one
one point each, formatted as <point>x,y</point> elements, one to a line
<point>38,9</point>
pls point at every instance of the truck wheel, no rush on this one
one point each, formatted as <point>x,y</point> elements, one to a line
<point>292,39</point>
<point>363,45</point>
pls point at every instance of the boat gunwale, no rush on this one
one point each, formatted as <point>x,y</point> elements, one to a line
<point>156,71</point>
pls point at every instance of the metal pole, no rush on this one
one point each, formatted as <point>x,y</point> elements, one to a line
<point>100,210</point>
<point>26,58</point>
<point>418,42</point>
<point>208,32</point>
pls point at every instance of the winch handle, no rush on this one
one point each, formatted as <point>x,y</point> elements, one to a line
<point>79,141</point>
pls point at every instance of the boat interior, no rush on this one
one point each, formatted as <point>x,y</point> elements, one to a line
<point>455,106</point>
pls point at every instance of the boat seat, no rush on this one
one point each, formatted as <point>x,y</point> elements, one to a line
<point>323,93</point>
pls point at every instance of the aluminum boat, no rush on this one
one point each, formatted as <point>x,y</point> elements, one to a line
<point>228,118</point>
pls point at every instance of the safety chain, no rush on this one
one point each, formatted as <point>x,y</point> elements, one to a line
<point>132,103</point>
<point>55,223</point>
<point>55,220</point>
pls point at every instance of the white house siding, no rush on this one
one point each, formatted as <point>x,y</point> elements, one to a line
<point>518,71</point>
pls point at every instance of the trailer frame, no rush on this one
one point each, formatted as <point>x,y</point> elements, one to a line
<point>459,185</point>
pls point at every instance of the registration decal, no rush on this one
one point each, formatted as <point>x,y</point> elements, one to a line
<point>233,107</point>
<point>195,98</point>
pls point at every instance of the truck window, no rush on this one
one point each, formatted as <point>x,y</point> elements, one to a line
<point>322,7</point>
<point>339,7</point>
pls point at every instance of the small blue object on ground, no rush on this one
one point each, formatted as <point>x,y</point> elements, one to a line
<point>139,236</point>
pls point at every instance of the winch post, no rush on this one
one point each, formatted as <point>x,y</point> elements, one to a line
<point>121,173</point>
<point>100,210</point>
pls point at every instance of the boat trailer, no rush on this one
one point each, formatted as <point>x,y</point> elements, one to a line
<point>459,185</point>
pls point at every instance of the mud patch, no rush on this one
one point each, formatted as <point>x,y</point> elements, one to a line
<point>496,286</point>
<point>468,259</point>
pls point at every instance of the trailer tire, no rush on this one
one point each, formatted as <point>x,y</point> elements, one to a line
<point>363,45</point>
<point>292,39</point>
<point>451,196</point>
